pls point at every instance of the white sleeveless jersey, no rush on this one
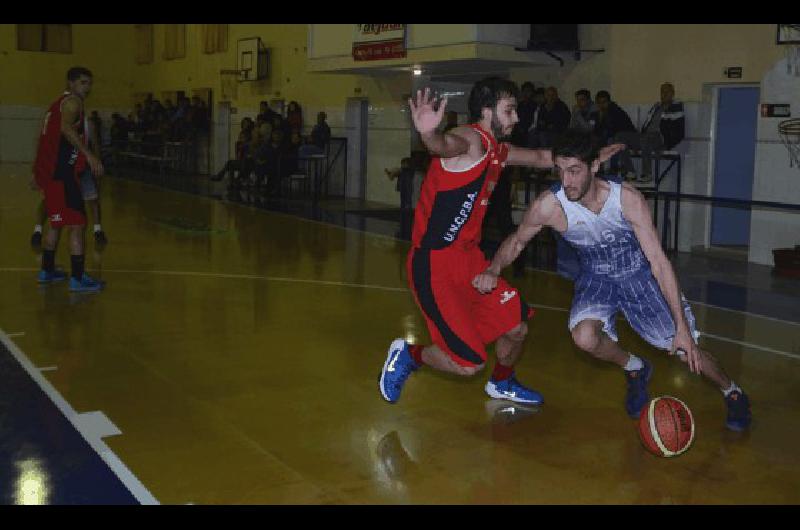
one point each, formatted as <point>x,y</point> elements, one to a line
<point>605,242</point>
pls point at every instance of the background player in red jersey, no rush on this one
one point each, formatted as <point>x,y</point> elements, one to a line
<point>61,155</point>
<point>445,256</point>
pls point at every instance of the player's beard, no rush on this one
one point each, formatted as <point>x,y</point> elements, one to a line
<point>497,127</point>
<point>582,190</point>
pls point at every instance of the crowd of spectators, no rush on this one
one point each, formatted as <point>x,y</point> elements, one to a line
<point>154,123</point>
<point>543,116</point>
<point>270,148</point>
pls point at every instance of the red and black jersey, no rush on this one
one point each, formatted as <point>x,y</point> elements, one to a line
<point>56,157</point>
<point>452,204</point>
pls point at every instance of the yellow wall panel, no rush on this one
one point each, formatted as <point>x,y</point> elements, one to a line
<point>35,78</point>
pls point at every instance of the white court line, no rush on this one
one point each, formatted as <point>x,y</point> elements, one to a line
<point>540,306</point>
<point>272,212</point>
<point>47,368</point>
<point>383,236</point>
<point>703,333</point>
<point>231,276</point>
<point>751,345</point>
<point>746,313</point>
<point>17,334</point>
<point>130,481</point>
<point>378,287</point>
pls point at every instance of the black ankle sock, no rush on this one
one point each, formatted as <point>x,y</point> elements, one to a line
<point>48,260</point>
<point>77,266</point>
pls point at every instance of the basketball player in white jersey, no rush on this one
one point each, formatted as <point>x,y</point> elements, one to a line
<point>623,268</point>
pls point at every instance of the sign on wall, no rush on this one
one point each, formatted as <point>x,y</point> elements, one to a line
<point>372,42</point>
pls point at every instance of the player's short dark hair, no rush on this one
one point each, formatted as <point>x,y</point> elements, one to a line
<point>528,84</point>
<point>583,92</point>
<point>577,143</point>
<point>603,94</point>
<point>74,73</point>
<point>487,92</point>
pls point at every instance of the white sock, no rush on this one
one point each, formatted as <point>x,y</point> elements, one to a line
<point>634,363</point>
<point>731,388</point>
<point>97,228</point>
<point>37,228</point>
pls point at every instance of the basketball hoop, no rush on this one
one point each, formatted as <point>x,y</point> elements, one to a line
<point>790,136</point>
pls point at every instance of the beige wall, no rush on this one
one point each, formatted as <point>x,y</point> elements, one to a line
<point>638,58</point>
<point>33,80</point>
<point>36,78</point>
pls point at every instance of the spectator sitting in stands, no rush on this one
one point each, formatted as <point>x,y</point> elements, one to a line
<point>584,114</point>
<point>292,152</point>
<point>321,133</point>
<point>138,116</point>
<point>243,162</point>
<point>200,118</point>
<point>280,124</point>
<point>271,156</point>
<point>611,120</point>
<point>526,107</point>
<point>97,123</point>
<point>663,129</point>
<point>533,133</point>
<point>119,131</point>
<point>553,118</point>
<point>405,181</point>
<point>266,112</point>
<point>294,117</point>
<point>169,108</point>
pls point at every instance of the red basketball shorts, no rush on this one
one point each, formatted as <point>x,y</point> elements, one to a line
<point>461,320</point>
<point>63,200</point>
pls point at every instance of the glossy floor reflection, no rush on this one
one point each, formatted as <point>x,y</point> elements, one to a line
<point>237,351</point>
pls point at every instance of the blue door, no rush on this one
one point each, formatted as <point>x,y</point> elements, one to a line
<point>734,156</point>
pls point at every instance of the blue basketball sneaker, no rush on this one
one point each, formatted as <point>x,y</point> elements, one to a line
<point>513,390</point>
<point>398,366</point>
<point>637,389</point>
<point>50,277</point>
<point>87,284</point>
<point>739,415</point>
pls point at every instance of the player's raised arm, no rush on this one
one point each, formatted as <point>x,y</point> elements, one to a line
<point>538,215</point>
<point>426,118</point>
<point>543,158</point>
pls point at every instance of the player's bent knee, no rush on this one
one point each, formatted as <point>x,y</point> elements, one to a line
<point>586,336</point>
<point>519,333</point>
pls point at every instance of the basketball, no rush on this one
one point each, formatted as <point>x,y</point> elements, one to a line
<point>666,426</point>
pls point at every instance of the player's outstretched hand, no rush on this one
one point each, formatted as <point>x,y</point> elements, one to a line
<point>485,282</point>
<point>425,115</point>
<point>610,150</point>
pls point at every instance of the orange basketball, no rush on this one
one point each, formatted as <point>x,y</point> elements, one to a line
<point>666,426</point>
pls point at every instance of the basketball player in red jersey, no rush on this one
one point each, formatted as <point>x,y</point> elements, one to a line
<point>445,257</point>
<point>61,155</point>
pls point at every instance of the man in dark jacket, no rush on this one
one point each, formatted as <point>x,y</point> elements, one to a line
<point>663,129</point>
<point>611,120</point>
<point>553,118</point>
<point>526,107</point>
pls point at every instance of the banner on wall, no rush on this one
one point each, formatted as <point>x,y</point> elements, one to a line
<point>373,42</point>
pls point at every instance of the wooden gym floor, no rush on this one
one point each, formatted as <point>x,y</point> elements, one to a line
<point>233,359</point>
